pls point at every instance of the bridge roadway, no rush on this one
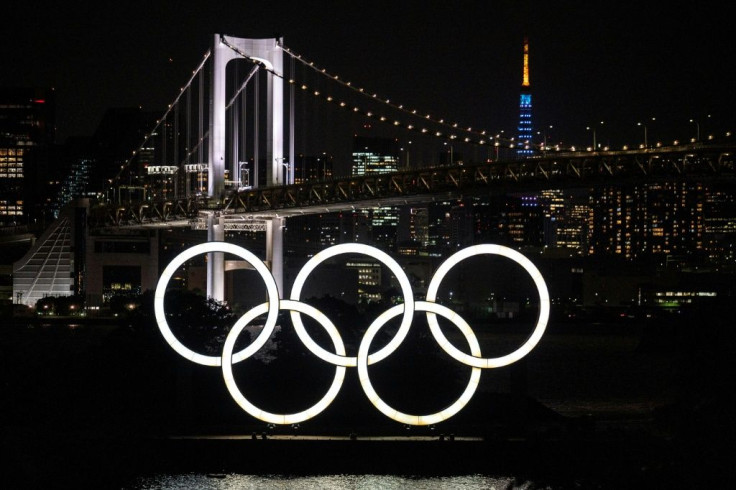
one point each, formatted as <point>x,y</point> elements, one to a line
<point>246,209</point>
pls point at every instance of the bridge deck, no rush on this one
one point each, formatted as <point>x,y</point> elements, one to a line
<point>246,208</point>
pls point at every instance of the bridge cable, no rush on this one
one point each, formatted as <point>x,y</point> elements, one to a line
<point>256,116</point>
<point>158,122</point>
<point>483,140</point>
<point>250,58</point>
<point>188,140</point>
<point>242,86</point>
<point>291,168</point>
<point>386,102</point>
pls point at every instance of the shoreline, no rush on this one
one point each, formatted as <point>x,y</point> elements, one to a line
<point>588,457</point>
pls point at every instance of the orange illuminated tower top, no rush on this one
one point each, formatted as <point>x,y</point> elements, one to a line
<point>525,81</point>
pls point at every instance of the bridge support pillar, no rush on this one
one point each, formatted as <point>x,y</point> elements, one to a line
<point>275,251</point>
<point>215,260</point>
<point>269,54</point>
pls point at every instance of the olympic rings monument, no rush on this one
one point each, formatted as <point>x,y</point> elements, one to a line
<point>365,357</point>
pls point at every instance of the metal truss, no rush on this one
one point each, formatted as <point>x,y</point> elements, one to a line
<point>243,209</point>
<point>556,169</point>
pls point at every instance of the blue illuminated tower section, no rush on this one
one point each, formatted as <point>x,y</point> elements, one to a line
<point>525,110</point>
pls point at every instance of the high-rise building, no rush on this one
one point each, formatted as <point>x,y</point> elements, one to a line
<point>525,109</point>
<point>384,226</point>
<point>674,220</point>
<point>369,279</point>
<point>552,202</point>
<point>574,230</point>
<point>312,167</point>
<point>617,221</point>
<point>26,136</point>
<point>374,155</point>
<point>655,218</point>
<point>413,233</point>
<point>76,157</point>
<point>438,227</point>
<point>720,225</point>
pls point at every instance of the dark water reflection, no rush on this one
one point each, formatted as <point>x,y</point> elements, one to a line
<point>72,396</point>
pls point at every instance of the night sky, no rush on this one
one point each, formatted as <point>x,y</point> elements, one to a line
<point>619,62</point>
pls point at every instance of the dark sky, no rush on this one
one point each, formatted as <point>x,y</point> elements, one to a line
<point>614,61</point>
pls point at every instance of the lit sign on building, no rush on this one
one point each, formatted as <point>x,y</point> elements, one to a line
<point>162,169</point>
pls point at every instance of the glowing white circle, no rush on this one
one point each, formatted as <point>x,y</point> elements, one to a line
<point>339,358</point>
<point>407,307</point>
<point>533,339</point>
<point>382,406</point>
<point>258,265</point>
<point>227,370</point>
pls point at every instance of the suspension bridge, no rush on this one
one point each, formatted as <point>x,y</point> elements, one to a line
<point>227,145</point>
<point>227,154</point>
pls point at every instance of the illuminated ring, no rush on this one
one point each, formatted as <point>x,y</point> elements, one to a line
<point>533,339</point>
<point>407,307</point>
<point>227,369</point>
<point>382,406</point>
<point>258,265</point>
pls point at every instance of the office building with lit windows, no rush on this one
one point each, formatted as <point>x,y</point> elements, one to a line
<point>312,167</point>
<point>656,218</point>
<point>26,135</point>
<point>575,228</point>
<point>719,237</point>
<point>375,155</point>
<point>522,219</point>
<point>369,279</point>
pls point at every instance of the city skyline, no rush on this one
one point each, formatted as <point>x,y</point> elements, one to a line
<point>175,135</point>
<point>589,62</point>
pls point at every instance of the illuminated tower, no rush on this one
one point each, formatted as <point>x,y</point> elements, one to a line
<point>525,109</point>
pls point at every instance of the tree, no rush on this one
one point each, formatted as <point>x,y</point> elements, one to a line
<point>200,323</point>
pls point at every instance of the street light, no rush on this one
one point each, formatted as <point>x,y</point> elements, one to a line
<point>287,169</point>
<point>645,131</point>
<point>544,137</point>
<point>451,152</point>
<point>697,127</point>
<point>287,172</point>
<point>244,176</point>
<point>498,141</point>
<point>592,128</point>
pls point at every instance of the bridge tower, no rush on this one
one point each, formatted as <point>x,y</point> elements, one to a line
<point>268,55</point>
